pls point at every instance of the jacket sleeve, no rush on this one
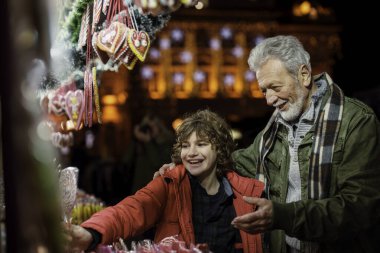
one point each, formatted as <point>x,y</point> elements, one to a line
<point>131,216</point>
<point>245,160</point>
<point>355,206</point>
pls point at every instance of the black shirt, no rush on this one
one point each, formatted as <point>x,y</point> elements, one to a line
<point>212,216</point>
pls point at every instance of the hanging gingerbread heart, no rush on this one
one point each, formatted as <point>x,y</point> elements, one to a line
<point>129,60</point>
<point>56,104</point>
<point>121,52</point>
<point>105,6</point>
<point>120,42</point>
<point>96,11</point>
<point>110,38</point>
<point>103,56</point>
<point>132,63</point>
<point>139,43</point>
<point>75,107</point>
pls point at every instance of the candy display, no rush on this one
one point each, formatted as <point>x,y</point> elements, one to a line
<point>85,206</point>
<point>168,245</point>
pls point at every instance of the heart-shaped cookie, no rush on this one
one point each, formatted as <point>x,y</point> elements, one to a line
<point>103,56</point>
<point>109,39</point>
<point>139,43</point>
<point>121,52</point>
<point>129,60</point>
<point>119,46</point>
<point>75,106</point>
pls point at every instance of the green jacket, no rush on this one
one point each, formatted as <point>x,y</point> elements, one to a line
<point>349,219</point>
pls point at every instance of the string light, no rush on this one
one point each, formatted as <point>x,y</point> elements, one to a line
<point>165,43</point>
<point>154,53</point>
<point>178,78</point>
<point>249,76</point>
<point>229,80</point>
<point>259,39</point>
<point>186,56</point>
<point>146,72</point>
<point>238,51</point>
<point>215,44</point>
<point>199,76</point>
<point>177,34</point>
<point>226,33</point>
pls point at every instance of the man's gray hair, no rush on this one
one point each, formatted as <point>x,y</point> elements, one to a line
<point>287,49</point>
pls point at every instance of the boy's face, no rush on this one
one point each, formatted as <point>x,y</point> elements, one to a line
<point>198,156</point>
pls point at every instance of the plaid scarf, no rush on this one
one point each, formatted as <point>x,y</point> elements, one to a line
<point>325,135</point>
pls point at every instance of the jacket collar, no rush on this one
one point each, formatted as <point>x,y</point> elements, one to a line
<point>318,78</point>
<point>241,185</point>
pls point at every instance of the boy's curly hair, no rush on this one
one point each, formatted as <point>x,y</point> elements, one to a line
<point>211,127</point>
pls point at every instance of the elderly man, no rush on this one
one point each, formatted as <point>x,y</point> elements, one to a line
<point>319,156</point>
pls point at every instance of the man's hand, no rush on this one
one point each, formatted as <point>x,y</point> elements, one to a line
<point>165,167</point>
<point>258,221</point>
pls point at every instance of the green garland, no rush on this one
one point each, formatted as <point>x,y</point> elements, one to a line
<point>72,24</point>
<point>73,20</point>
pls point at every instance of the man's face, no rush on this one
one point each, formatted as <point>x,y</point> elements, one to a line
<point>282,90</point>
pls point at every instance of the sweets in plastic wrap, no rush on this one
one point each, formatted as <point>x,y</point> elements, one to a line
<point>168,245</point>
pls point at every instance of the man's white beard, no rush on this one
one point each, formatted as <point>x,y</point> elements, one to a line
<point>295,109</point>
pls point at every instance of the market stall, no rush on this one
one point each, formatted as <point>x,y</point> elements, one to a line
<point>95,36</point>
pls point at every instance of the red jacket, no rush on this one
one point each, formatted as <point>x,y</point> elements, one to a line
<point>166,203</point>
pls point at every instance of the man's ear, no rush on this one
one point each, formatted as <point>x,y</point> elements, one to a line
<point>304,76</point>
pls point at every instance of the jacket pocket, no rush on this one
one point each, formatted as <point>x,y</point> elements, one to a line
<point>273,164</point>
<point>338,151</point>
<point>274,159</point>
